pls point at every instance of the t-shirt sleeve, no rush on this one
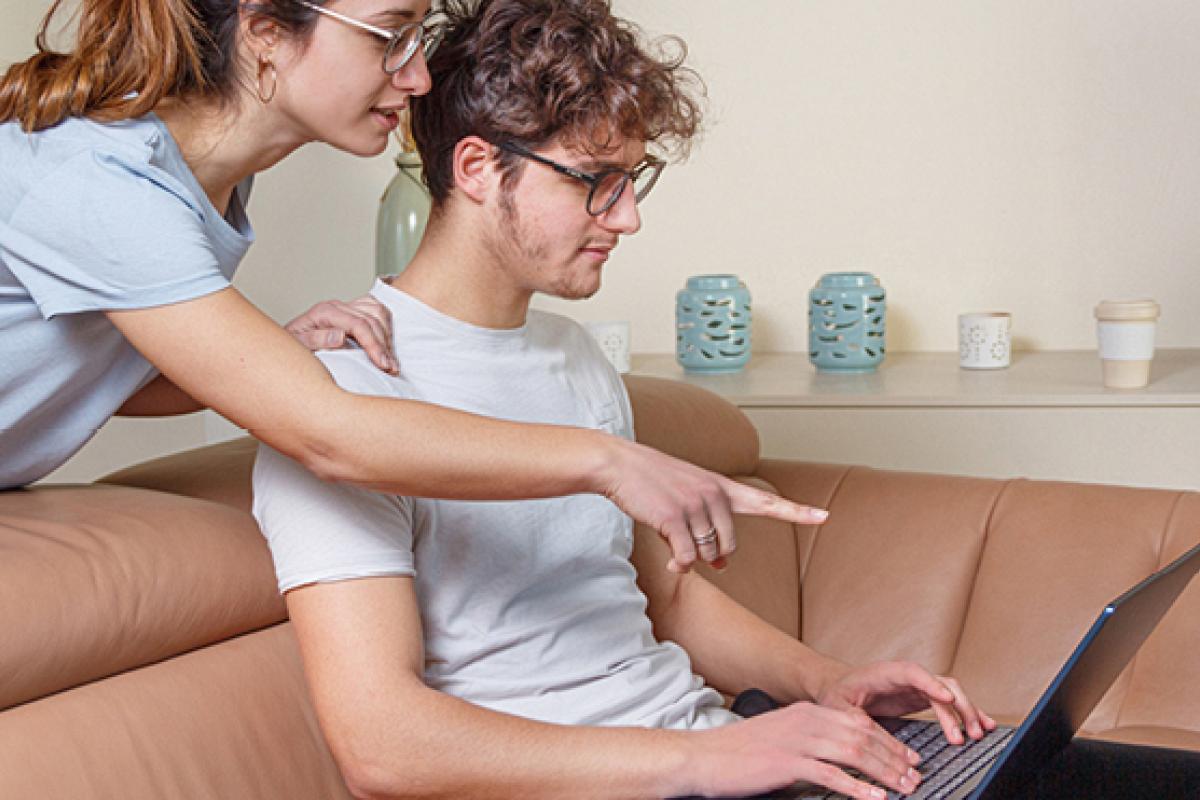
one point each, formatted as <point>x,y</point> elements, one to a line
<point>321,532</point>
<point>104,231</point>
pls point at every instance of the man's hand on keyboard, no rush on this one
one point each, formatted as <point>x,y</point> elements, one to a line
<point>895,688</point>
<point>803,742</point>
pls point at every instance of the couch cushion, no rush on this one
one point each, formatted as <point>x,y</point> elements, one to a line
<point>227,721</point>
<point>1164,687</point>
<point>891,571</point>
<point>95,580</point>
<point>218,472</point>
<point>1056,553</point>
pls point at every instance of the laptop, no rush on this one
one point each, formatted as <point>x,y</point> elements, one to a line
<point>1007,758</point>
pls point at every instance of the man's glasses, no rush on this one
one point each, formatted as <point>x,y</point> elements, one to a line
<point>606,186</point>
<point>402,44</point>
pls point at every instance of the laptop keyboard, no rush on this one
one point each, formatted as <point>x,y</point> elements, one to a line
<point>944,767</point>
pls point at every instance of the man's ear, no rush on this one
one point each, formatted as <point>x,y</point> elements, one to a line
<point>476,172</point>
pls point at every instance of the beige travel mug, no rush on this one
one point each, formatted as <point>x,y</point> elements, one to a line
<point>1125,334</point>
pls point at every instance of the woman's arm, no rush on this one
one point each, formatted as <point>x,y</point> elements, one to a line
<point>325,326</point>
<point>229,356</point>
<point>159,398</point>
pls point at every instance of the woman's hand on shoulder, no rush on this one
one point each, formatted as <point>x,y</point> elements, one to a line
<point>327,326</point>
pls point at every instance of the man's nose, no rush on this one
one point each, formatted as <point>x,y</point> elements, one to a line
<point>624,216</point>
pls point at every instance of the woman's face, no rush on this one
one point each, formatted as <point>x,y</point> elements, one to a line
<point>332,86</point>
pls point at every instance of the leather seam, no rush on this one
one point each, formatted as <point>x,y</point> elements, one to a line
<point>802,574</point>
<point>812,545</point>
<point>1118,718</point>
<point>1005,486</point>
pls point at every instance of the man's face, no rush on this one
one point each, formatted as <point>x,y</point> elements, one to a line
<point>543,236</point>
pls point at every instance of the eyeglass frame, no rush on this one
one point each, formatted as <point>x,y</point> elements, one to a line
<point>431,35</point>
<point>593,179</point>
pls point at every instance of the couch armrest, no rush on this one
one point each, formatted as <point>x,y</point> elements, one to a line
<point>693,424</point>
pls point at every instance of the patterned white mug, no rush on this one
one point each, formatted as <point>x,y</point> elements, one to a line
<point>985,340</point>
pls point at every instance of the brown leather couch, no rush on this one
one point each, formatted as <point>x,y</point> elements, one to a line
<point>145,653</point>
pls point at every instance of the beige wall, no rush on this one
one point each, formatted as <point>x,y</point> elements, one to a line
<point>1026,155</point>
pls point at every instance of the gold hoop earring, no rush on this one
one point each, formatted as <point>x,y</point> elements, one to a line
<point>265,65</point>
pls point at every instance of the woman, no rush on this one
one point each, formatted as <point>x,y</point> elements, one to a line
<point>126,166</point>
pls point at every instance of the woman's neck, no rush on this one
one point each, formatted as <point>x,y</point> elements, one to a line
<point>224,143</point>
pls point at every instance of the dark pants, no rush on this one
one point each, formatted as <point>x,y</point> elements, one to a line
<point>1086,770</point>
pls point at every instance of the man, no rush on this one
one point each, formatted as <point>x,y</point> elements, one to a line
<point>504,649</point>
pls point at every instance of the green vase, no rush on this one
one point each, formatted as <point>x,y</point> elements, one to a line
<point>403,212</point>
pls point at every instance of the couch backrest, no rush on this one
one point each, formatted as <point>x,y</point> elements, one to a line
<point>994,581</point>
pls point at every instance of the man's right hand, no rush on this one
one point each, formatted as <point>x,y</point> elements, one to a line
<point>685,503</point>
<point>802,742</point>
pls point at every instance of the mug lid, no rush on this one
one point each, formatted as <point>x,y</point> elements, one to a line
<point>1127,310</point>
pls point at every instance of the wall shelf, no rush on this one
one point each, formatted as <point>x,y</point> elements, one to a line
<point>1046,416</point>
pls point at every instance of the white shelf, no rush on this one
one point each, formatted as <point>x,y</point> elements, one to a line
<point>1057,379</point>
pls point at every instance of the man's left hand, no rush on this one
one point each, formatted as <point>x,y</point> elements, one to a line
<point>895,688</point>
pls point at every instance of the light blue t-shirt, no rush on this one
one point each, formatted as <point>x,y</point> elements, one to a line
<point>93,217</point>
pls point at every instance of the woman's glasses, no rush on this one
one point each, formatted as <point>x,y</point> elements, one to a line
<point>402,44</point>
<point>606,186</point>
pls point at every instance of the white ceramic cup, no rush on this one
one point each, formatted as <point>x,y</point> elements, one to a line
<point>613,338</point>
<point>1125,335</point>
<point>985,340</point>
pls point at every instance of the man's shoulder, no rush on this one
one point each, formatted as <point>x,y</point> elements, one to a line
<point>351,368</point>
<point>564,332</point>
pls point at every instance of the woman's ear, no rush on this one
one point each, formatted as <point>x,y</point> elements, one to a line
<point>261,33</point>
<point>476,172</point>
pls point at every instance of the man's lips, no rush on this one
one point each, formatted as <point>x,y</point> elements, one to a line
<point>598,250</point>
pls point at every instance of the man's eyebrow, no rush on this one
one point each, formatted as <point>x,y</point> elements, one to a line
<point>599,165</point>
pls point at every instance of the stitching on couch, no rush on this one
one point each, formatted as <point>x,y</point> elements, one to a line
<point>1118,719</point>
<point>1005,487</point>
<point>812,544</point>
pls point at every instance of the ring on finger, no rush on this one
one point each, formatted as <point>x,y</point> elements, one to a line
<point>708,538</point>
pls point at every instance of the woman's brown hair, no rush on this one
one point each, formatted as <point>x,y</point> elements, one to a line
<point>130,55</point>
<point>528,71</point>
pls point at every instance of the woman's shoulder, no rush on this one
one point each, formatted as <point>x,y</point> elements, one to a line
<point>135,139</point>
<point>84,162</point>
<point>67,156</point>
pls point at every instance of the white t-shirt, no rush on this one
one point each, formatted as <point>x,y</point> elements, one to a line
<point>529,607</point>
<point>94,217</point>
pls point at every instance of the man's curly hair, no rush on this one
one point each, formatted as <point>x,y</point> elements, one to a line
<point>529,71</point>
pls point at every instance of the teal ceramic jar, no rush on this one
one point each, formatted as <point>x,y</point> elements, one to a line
<point>712,324</point>
<point>846,318</point>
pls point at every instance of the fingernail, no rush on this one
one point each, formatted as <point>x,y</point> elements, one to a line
<point>914,757</point>
<point>820,514</point>
<point>914,777</point>
<point>880,793</point>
